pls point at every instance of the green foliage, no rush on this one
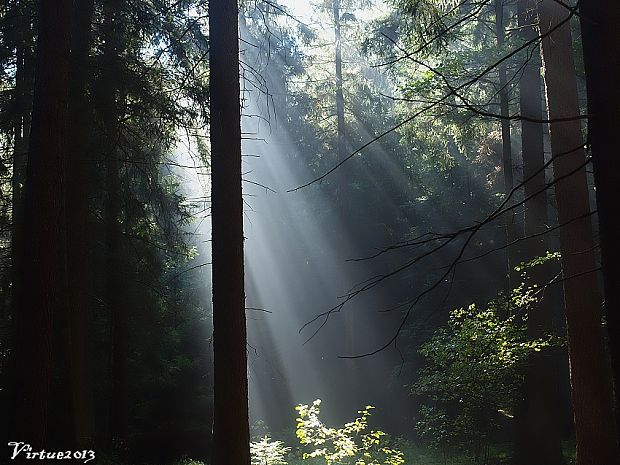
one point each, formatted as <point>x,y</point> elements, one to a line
<point>350,444</point>
<point>538,261</point>
<point>188,461</point>
<point>474,369</point>
<point>268,452</point>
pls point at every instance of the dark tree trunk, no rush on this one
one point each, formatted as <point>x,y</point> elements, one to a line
<point>24,69</point>
<point>503,100</point>
<point>600,22</point>
<point>590,382</point>
<point>23,103</point>
<point>40,297</point>
<point>114,265</point>
<point>538,422</point>
<point>507,164</point>
<point>79,233</point>
<point>231,428</point>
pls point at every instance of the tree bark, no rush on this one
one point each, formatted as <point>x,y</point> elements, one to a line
<point>507,164</point>
<point>339,91</point>
<point>231,428</point>
<point>599,25</point>
<point>343,194</point>
<point>114,266</point>
<point>590,382</point>
<point>23,103</point>
<point>503,100</point>
<point>41,293</point>
<point>79,233</point>
<point>22,97</point>
<point>538,422</point>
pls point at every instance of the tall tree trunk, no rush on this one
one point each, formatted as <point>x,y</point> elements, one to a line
<point>600,22</point>
<point>511,230</point>
<point>24,69</point>
<point>114,266</point>
<point>79,234</point>
<point>23,91</point>
<point>339,92</point>
<point>590,383</point>
<point>540,439</point>
<point>343,196</point>
<point>41,293</point>
<point>231,428</point>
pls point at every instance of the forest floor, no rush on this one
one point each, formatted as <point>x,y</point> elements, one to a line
<point>414,454</point>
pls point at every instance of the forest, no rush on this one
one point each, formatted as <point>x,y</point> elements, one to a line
<point>327,232</point>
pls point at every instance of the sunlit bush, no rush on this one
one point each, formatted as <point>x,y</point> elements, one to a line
<point>268,452</point>
<point>351,444</point>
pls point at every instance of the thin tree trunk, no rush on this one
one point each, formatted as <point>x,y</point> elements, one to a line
<point>507,165</point>
<point>231,428</point>
<point>343,195</point>
<point>339,91</point>
<point>600,22</point>
<point>79,234</point>
<point>539,421</point>
<point>23,81</point>
<point>503,100</point>
<point>41,293</point>
<point>590,382</point>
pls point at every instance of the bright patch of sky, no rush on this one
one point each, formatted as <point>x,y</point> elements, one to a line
<point>300,9</point>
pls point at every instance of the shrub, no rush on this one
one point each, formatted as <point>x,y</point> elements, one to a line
<point>475,367</point>
<point>348,445</point>
<point>268,452</point>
